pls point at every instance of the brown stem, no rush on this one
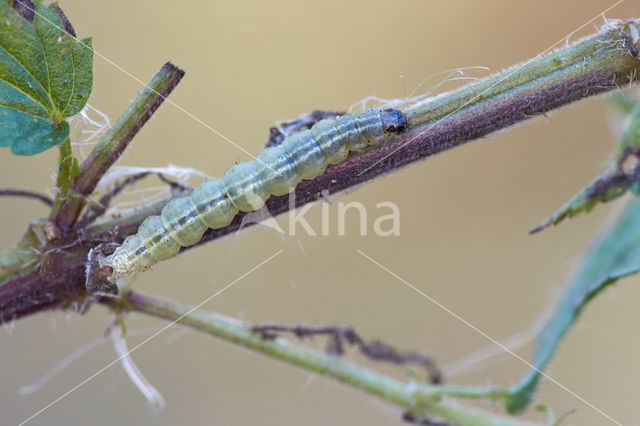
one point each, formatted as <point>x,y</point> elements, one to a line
<point>26,194</point>
<point>594,65</point>
<point>373,349</point>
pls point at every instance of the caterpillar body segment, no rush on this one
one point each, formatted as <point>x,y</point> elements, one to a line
<point>285,176</point>
<point>244,186</point>
<point>277,170</point>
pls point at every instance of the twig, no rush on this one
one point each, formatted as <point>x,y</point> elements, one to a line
<point>65,175</point>
<point>113,143</point>
<point>175,186</point>
<point>27,194</point>
<point>95,211</point>
<point>599,63</point>
<point>38,273</point>
<point>421,400</point>
<point>278,133</point>
<point>594,65</point>
<point>373,349</point>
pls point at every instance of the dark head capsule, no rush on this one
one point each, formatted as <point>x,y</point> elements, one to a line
<point>393,121</point>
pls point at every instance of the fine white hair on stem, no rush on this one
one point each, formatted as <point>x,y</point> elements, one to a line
<point>182,175</point>
<point>451,72</point>
<point>72,358</point>
<point>153,397</point>
<point>157,193</point>
<point>185,176</point>
<point>141,197</point>
<point>451,75</point>
<point>88,126</point>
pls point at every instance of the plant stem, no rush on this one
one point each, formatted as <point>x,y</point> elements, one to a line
<point>609,55</point>
<point>45,269</point>
<point>113,143</point>
<point>65,166</point>
<point>599,63</point>
<point>27,194</point>
<point>590,66</point>
<point>596,64</point>
<point>418,398</point>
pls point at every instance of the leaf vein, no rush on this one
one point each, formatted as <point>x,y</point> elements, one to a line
<point>47,107</point>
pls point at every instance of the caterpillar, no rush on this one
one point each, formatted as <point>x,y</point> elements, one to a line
<point>246,186</point>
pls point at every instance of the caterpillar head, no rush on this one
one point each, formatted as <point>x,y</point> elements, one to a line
<point>393,121</point>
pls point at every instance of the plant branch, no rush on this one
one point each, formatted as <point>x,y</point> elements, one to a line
<point>338,336</point>
<point>26,194</point>
<point>596,64</point>
<point>113,143</point>
<point>65,175</point>
<point>47,268</point>
<point>419,399</point>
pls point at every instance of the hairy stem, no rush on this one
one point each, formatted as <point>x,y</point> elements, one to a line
<point>63,182</point>
<point>420,399</point>
<point>113,143</point>
<point>46,267</point>
<point>597,64</point>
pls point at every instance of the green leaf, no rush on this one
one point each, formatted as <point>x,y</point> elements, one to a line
<point>45,75</point>
<point>609,186</point>
<point>614,182</point>
<point>75,168</point>
<point>29,135</point>
<point>615,254</point>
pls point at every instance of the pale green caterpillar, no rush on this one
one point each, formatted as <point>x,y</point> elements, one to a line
<point>246,186</point>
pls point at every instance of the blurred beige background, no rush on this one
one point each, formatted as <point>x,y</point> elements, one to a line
<point>464,215</point>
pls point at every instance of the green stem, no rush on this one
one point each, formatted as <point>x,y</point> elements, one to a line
<point>65,168</point>
<point>613,51</point>
<point>420,399</point>
<point>113,143</point>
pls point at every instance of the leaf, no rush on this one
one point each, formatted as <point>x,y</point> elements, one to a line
<point>45,75</point>
<point>615,254</point>
<point>613,183</point>
<point>609,186</point>
<point>30,135</point>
